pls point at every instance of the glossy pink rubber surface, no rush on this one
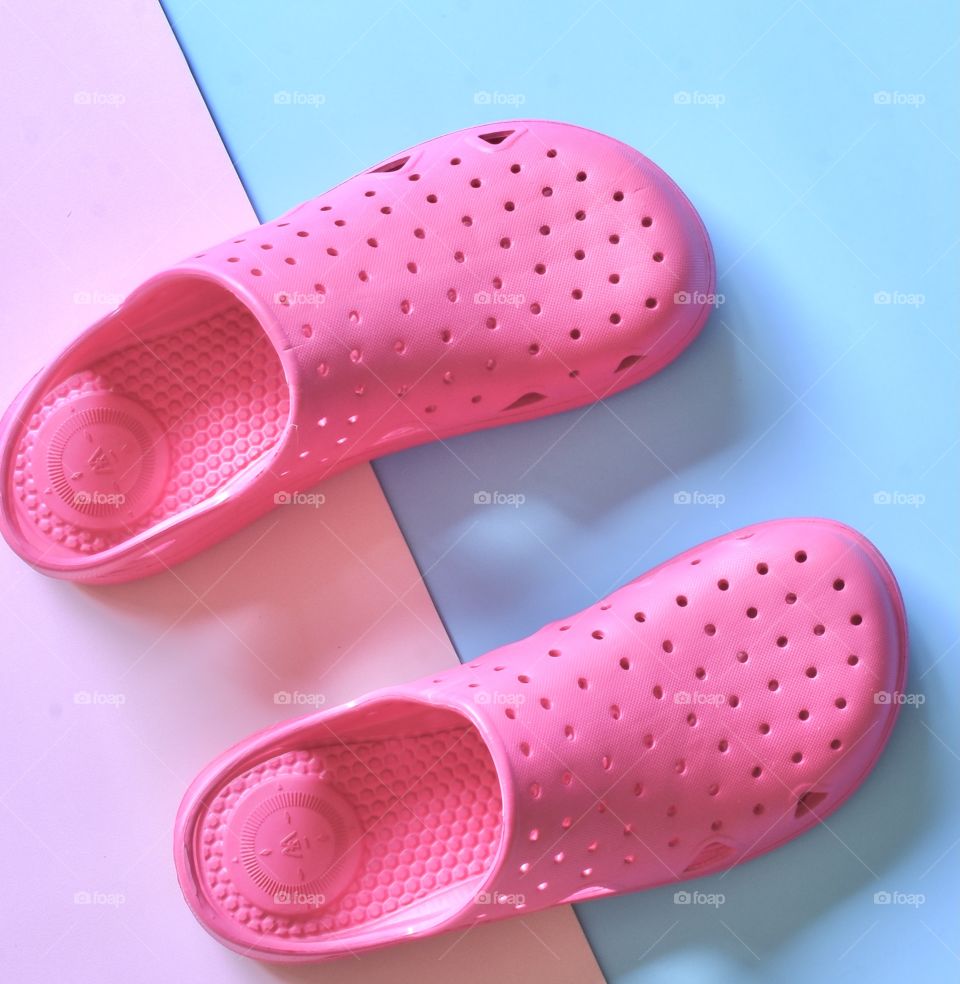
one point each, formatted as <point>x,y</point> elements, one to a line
<point>491,275</point>
<point>701,715</point>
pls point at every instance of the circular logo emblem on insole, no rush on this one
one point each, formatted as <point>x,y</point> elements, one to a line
<point>102,461</point>
<point>293,844</point>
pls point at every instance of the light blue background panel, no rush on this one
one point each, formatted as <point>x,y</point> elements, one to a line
<point>820,144</point>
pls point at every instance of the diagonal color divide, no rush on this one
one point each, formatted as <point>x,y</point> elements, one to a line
<point>112,169</point>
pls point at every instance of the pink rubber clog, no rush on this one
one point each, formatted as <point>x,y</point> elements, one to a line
<point>492,275</point>
<point>696,718</point>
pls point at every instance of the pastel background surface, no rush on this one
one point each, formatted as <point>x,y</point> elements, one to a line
<point>820,143</point>
<point>116,697</point>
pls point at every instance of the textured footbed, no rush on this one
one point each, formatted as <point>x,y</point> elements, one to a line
<point>331,838</point>
<point>203,401</point>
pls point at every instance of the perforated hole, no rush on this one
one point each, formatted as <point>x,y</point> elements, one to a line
<point>627,361</point>
<point>496,137</point>
<point>526,400</point>
<point>808,802</point>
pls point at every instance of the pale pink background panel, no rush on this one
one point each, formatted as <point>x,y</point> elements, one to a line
<point>118,696</point>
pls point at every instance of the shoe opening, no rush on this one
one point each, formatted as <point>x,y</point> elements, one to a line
<point>379,825</point>
<point>151,412</point>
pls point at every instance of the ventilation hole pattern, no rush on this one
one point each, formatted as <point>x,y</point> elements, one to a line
<point>707,743</point>
<point>399,258</point>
